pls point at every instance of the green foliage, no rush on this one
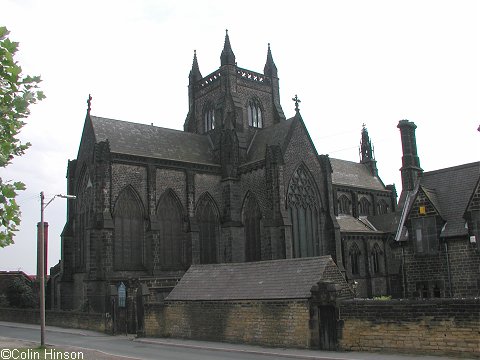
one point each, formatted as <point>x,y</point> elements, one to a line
<point>20,294</point>
<point>17,93</point>
<point>383,298</point>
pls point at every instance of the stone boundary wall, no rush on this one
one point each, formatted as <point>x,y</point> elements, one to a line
<point>272,323</point>
<point>436,326</point>
<point>67,319</point>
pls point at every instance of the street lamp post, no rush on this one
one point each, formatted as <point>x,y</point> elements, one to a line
<point>41,261</point>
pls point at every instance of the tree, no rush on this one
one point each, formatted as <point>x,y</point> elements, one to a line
<point>17,93</point>
<point>20,294</point>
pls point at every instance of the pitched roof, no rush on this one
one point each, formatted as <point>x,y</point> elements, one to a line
<point>349,223</point>
<point>152,141</point>
<point>452,188</point>
<point>274,279</point>
<point>272,135</point>
<point>349,173</point>
<point>385,222</point>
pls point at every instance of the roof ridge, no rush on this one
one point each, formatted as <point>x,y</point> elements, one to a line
<point>145,125</point>
<point>262,262</point>
<point>452,168</point>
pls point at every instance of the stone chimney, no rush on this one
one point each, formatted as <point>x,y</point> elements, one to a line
<point>410,169</point>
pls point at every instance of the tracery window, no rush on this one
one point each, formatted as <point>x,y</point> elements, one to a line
<point>344,205</point>
<point>304,211</point>
<point>209,118</point>
<point>425,235</point>
<point>207,217</point>
<point>382,207</point>
<point>254,114</point>
<point>252,219</point>
<point>364,207</point>
<point>84,205</point>
<point>354,254</point>
<point>376,258</point>
<point>169,216</point>
<point>129,231</point>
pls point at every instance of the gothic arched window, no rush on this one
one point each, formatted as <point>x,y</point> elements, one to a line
<point>376,258</point>
<point>84,205</point>
<point>252,219</point>
<point>354,254</point>
<point>209,118</point>
<point>171,237</point>
<point>304,211</point>
<point>129,232</point>
<point>382,207</point>
<point>207,217</point>
<point>364,207</point>
<point>344,205</point>
<point>254,114</point>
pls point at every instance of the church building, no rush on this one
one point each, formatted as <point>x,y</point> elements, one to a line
<point>241,183</point>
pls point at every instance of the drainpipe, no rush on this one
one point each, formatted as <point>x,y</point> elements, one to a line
<point>403,273</point>
<point>448,270</point>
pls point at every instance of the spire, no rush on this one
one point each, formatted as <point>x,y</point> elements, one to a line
<point>227,57</point>
<point>270,69</point>
<point>195,74</point>
<point>366,147</point>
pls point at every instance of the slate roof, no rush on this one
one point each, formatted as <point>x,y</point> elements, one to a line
<point>452,188</point>
<point>274,279</point>
<point>152,141</point>
<point>349,223</point>
<point>349,173</point>
<point>272,135</point>
<point>385,222</point>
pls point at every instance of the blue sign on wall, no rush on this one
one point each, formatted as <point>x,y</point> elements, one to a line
<point>122,295</point>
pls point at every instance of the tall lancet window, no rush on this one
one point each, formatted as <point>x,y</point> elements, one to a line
<point>304,210</point>
<point>84,205</point>
<point>209,117</point>
<point>254,114</point>
<point>208,221</point>
<point>169,216</point>
<point>129,231</point>
<point>252,219</point>
<point>354,254</point>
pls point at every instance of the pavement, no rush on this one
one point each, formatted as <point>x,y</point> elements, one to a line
<point>208,345</point>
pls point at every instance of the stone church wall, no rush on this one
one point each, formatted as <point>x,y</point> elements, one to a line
<point>300,150</point>
<point>132,175</point>
<point>272,323</point>
<point>175,180</point>
<point>440,326</point>
<point>208,183</point>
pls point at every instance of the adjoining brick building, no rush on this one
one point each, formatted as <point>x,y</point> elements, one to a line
<point>241,183</point>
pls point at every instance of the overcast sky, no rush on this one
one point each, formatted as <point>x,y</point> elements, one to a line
<point>350,62</point>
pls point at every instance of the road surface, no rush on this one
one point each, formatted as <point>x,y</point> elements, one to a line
<point>129,347</point>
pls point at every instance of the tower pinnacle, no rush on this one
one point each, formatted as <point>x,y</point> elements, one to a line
<point>227,57</point>
<point>195,74</point>
<point>270,68</point>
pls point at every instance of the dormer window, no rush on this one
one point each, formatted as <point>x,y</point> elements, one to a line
<point>254,114</point>
<point>209,118</point>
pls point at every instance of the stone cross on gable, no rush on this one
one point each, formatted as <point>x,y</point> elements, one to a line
<point>89,103</point>
<point>297,100</point>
